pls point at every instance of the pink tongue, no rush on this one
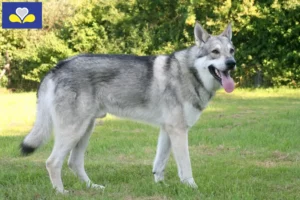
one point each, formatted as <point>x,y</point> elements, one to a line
<point>227,83</point>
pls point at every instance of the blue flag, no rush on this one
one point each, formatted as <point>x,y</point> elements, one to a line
<point>26,15</point>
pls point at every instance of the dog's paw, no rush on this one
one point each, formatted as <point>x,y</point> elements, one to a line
<point>62,191</point>
<point>93,185</point>
<point>190,182</point>
<point>159,177</point>
<point>96,186</point>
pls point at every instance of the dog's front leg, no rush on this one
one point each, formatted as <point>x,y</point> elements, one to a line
<point>162,155</point>
<point>179,143</point>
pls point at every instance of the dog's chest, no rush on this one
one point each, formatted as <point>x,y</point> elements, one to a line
<point>191,114</point>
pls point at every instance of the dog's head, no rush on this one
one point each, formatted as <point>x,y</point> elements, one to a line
<point>215,59</point>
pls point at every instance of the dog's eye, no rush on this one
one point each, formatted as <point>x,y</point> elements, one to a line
<point>215,51</point>
<point>231,51</point>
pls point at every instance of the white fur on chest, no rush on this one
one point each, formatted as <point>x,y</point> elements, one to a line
<point>191,114</point>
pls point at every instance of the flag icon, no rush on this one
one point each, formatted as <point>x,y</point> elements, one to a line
<point>22,15</point>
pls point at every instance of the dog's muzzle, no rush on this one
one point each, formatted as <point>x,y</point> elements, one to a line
<point>223,77</point>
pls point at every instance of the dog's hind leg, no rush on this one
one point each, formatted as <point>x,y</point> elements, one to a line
<point>76,159</point>
<point>67,135</point>
<point>162,155</point>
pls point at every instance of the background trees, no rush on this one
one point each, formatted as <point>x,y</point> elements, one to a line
<point>266,35</point>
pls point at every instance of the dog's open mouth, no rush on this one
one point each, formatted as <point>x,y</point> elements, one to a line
<point>223,77</point>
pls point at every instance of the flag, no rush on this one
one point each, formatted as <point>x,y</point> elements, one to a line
<point>22,15</point>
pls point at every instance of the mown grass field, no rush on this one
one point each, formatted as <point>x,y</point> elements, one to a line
<point>245,146</point>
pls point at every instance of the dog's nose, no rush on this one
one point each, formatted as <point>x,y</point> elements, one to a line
<point>230,64</point>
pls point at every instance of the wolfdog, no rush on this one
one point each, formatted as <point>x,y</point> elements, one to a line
<point>170,91</point>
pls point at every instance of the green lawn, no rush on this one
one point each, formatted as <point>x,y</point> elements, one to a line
<point>245,146</point>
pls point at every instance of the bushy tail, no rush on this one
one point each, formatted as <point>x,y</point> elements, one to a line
<point>42,128</point>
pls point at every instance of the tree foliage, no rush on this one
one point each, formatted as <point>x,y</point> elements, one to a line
<point>266,35</point>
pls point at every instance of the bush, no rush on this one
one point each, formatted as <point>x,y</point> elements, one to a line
<point>266,35</point>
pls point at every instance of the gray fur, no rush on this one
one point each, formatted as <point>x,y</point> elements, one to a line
<point>169,91</point>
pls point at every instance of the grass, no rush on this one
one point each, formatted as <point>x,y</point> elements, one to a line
<point>245,146</point>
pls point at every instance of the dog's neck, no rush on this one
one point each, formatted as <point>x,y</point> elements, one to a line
<point>195,90</point>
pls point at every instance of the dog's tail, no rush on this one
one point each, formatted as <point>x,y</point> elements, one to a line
<point>42,128</point>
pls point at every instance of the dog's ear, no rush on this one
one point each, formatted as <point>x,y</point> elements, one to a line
<point>228,32</point>
<point>200,34</point>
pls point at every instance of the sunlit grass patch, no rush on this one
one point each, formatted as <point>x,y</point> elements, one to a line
<point>17,112</point>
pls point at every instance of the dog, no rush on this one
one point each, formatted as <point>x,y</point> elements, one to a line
<point>169,91</point>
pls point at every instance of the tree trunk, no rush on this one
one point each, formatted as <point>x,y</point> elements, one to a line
<point>6,68</point>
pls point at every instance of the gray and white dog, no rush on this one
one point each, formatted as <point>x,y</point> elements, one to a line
<point>170,91</point>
